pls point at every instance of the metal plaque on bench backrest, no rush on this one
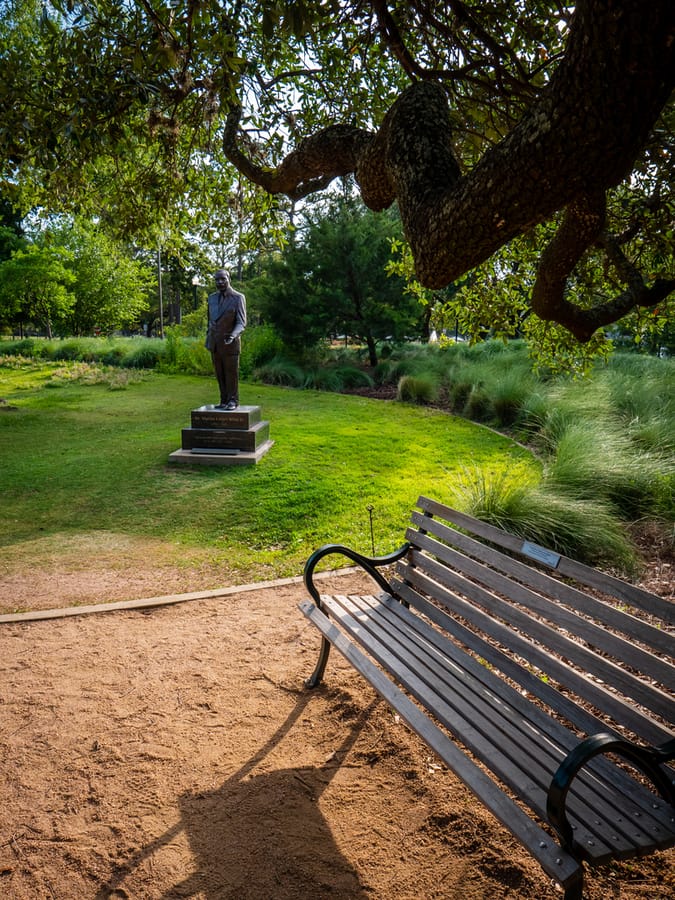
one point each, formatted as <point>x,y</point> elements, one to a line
<point>540,554</point>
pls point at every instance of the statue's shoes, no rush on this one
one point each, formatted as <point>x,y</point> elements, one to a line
<point>231,405</point>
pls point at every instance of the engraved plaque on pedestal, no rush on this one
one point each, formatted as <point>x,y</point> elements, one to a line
<point>242,418</point>
<point>234,439</point>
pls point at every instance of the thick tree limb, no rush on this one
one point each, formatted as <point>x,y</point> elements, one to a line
<point>580,138</point>
<point>581,226</point>
<point>310,167</point>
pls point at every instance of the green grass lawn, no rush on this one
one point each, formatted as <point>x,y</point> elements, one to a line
<point>82,458</point>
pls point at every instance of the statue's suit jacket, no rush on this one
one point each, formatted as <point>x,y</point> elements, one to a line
<point>227,318</point>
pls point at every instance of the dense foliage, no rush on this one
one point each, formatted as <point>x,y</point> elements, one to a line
<point>332,281</point>
<point>72,280</point>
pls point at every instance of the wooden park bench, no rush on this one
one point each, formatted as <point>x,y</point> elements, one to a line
<point>555,706</point>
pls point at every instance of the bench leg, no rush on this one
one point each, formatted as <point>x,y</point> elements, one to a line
<point>574,889</point>
<point>317,675</point>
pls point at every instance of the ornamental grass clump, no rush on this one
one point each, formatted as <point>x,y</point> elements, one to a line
<point>352,377</point>
<point>510,393</point>
<point>280,371</point>
<point>478,406</point>
<point>72,350</point>
<point>323,379</point>
<point>418,389</point>
<point>594,460</point>
<point>585,530</point>
<point>147,356</point>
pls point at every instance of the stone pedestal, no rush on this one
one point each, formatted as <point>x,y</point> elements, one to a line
<point>218,437</point>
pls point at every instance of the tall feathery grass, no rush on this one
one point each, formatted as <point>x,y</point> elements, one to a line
<point>418,389</point>
<point>595,460</point>
<point>584,529</point>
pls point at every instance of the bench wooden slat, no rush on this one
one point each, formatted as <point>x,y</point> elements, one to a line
<point>466,719</point>
<point>552,611</point>
<point>658,639</point>
<point>557,669</point>
<point>541,720</point>
<point>554,861</point>
<point>532,684</point>
<point>517,620</point>
<point>629,593</point>
<point>457,688</point>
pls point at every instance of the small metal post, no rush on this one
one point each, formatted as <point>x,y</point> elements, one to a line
<point>370,509</point>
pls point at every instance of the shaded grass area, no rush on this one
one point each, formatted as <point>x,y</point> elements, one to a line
<point>81,457</point>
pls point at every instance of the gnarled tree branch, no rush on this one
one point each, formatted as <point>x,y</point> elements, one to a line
<point>316,161</point>
<point>582,226</point>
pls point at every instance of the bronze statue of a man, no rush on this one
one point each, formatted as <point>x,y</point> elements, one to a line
<point>227,320</point>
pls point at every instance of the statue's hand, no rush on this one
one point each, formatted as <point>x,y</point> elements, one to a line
<point>229,340</point>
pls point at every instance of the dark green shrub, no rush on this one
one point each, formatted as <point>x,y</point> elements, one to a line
<point>113,356</point>
<point>25,347</point>
<point>280,371</point>
<point>69,350</point>
<point>259,345</point>
<point>383,372</point>
<point>174,352</point>
<point>145,357</point>
<point>196,359</point>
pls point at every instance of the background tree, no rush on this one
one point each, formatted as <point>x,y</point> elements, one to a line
<point>479,119</point>
<point>110,287</point>
<point>332,281</point>
<point>34,287</point>
<point>10,242</point>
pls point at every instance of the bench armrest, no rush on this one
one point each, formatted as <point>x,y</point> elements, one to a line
<point>647,759</point>
<point>370,564</point>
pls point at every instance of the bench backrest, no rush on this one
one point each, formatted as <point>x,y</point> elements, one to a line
<point>612,648</point>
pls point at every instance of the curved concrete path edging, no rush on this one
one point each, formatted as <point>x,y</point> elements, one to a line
<point>149,602</point>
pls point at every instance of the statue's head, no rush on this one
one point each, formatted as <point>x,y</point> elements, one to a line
<point>222,278</point>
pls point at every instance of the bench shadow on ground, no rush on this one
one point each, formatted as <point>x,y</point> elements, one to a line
<point>259,835</point>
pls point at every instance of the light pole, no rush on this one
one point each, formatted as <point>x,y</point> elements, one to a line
<point>161,298</point>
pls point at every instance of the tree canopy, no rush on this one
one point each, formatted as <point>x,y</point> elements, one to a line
<point>483,121</point>
<point>34,286</point>
<point>73,279</point>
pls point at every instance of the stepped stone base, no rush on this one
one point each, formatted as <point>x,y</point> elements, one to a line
<point>219,437</point>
